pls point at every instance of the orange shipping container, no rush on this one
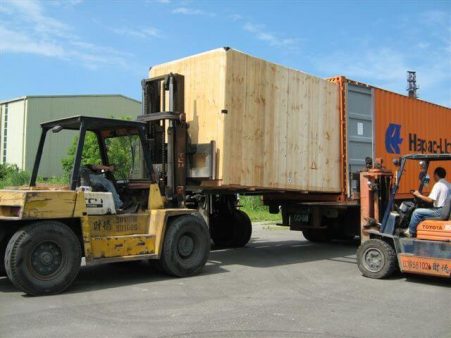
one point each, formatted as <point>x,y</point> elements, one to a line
<point>377,123</point>
<point>403,126</point>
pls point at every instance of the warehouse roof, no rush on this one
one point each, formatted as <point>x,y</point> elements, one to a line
<point>20,98</point>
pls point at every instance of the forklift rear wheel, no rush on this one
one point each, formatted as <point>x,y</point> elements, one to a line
<point>231,229</point>
<point>376,259</point>
<point>186,246</point>
<point>43,258</point>
<point>317,235</point>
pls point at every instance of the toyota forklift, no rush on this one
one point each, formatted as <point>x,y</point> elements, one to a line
<point>384,249</point>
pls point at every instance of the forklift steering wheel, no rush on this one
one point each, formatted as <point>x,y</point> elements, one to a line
<point>416,199</point>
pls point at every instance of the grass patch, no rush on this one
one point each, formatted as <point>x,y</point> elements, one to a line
<point>12,176</point>
<point>253,206</point>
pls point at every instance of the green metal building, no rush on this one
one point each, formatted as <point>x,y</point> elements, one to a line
<point>21,118</point>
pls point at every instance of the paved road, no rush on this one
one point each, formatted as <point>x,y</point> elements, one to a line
<point>278,286</point>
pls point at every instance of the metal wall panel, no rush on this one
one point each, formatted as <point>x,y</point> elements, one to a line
<point>12,131</point>
<point>43,109</point>
<point>359,129</point>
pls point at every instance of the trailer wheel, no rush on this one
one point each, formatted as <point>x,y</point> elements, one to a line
<point>376,259</point>
<point>186,246</point>
<point>43,258</point>
<point>221,231</point>
<point>242,228</point>
<point>2,259</point>
<point>231,229</point>
<point>317,235</point>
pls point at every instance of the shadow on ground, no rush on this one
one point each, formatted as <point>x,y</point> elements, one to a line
<point>258,253</point>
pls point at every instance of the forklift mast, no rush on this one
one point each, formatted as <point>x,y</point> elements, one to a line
<point>375,184</point>
<point>163,111</point>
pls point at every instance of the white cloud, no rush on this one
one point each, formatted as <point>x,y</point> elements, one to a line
<point>149,32</point>
<point>386,67</point>
<point>191,11</point>
<point>65,3</point>
<point>260,33</point>
<point>16,42</point>
<point>435,17</point>
<point>235,17</point>
<point>31,11</point>
<point>26,28</point>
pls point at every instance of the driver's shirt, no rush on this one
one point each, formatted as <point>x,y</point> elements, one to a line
<point>440,193</point>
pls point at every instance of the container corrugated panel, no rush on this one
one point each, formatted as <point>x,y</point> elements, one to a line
<point>403,126</point>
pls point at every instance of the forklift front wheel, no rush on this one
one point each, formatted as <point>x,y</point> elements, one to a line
<point>186,246</point>
<point>43,258</point>
<point>376,259</point>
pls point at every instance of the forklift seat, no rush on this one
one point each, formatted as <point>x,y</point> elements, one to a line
<point>437,228</point>
<point>445,212</point>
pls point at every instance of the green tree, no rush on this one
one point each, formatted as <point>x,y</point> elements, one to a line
<point>120,150</point>
<point>91,154</point>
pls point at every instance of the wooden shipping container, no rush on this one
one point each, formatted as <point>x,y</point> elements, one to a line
<point>275,127</point>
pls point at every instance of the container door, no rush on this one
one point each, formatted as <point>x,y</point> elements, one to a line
<point>360,131</point>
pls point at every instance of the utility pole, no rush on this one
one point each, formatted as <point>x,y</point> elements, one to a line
<point>412,84</point>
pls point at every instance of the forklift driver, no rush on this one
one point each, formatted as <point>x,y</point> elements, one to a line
<point>91,174</point>
<point>438,196</point>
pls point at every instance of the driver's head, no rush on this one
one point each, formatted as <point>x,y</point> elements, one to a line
<point>439,173</point>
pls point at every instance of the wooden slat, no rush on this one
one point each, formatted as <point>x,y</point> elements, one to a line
<point>281,130</point>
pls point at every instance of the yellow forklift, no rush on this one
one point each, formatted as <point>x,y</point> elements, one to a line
<point>45,230</point>
<point>384,249</point>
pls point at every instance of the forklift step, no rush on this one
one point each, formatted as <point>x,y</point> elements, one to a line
<point>117,246</point>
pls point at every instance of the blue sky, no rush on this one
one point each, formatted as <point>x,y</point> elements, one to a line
<point>95,47</point>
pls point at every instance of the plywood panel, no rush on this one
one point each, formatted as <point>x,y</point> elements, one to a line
<point>204,96</point>
<point>281,130</point>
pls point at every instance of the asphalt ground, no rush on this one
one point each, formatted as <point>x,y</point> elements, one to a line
<point>280,285</point>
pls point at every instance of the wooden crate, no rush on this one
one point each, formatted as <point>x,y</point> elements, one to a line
<point>275,128</point>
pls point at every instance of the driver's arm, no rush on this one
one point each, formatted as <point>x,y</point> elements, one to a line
<point>432,196</point>
<point>422,197</point>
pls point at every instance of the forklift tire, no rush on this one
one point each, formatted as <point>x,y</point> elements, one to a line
<point>231,230</point>
<point>43,258</point>
<point>376,259</point>
<point>186,246</point>
<point>317,235</point>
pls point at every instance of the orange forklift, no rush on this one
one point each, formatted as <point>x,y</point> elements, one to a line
<point>384,249</point>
